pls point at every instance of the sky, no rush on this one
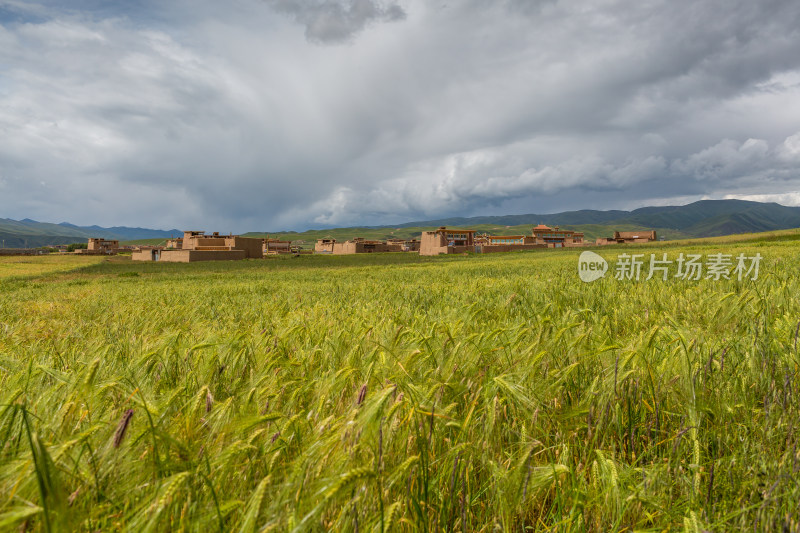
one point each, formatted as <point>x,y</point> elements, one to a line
<point>265,115</point>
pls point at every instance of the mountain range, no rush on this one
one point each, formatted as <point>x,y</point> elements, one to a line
<point>706,218</point>
<point>29,233</point>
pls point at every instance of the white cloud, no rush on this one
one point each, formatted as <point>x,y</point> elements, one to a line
<point>789,198</point>
<point>727,159</point>
<point>789,151</point>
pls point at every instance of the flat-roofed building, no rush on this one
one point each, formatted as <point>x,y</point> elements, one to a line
<point>403,245</point>
<point>199,241</point>
<point>628,237</point>
<point>506,243</point>
<point>197,246</point>
<point>603,241</point>
<point>635,236</point>
<point>324,246</point>
<point>359,245</point>
<point>277,246</point>
<point>103,245</point>
<point>556,237</point>
<point>99,246</point>
<point>509,239</point>
<point>447,241</point>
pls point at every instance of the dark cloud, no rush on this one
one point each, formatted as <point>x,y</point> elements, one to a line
<point>337,21</point>
<point>199,114</point>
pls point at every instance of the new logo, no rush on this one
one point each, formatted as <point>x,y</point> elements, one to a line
<point>591,267</point>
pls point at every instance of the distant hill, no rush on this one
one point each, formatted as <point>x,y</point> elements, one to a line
<point>714,218</point>
<point>29,233</point>
<point>706,218</point>
<point>586,216</point>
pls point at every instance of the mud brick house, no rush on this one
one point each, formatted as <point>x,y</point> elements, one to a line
<point>507,243</point>
<point>364,246</point>
<point>628,237</point>
<point>276,246</point>
<point>98,246</point>
<point>197,246</point>
<point>447,241</point>
<point>556,237</point>
<point>403,245</point>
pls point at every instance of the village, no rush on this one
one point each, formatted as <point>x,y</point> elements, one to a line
<point>200,246</point>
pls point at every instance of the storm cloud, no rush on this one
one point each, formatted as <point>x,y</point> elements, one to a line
<point>272,114</point>
<point>331,21</point>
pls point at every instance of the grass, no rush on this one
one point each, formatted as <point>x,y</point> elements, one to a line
<point>26,266</point>
<point>393,392</point>
<point>765,237</point>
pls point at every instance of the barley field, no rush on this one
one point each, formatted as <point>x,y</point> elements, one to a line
<point>26,266</point>
<point>399,393</point>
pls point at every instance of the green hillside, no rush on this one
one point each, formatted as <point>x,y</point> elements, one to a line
<point>711,218</point>
<point>11,240</point>
<point>702,218</point>
<point>33,234</point>
<point>585,216</point>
